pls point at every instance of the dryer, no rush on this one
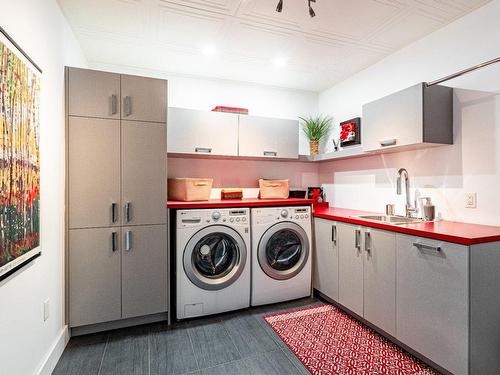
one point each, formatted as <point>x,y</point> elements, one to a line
<point>212,261</point>
<point>281,254</point>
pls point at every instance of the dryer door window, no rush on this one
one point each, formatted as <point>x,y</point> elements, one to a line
<point>283,250</point>
<point>214,257</point>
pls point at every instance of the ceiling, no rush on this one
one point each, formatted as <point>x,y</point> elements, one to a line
<point>247,40</point>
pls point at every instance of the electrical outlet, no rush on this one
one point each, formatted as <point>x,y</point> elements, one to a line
<point>46,310</point>
<point>470,200</point>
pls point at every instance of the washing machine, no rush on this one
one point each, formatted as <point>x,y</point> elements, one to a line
<point>281,254</point>
<point>212,261</point>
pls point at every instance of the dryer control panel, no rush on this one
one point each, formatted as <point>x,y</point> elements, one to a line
<point>229,217</point>
<point>273,214</point>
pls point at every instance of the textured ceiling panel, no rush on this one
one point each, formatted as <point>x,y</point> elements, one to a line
<point>248,40</point>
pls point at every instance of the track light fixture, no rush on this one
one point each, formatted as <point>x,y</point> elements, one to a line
<point>311,10</point>
<point>279,7</point>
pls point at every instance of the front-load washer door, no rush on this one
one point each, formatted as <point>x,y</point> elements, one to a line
<point>283,250</point>
<point>214,257</point>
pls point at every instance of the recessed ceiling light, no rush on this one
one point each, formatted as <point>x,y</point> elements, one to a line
<point>279,62</point>
<point>208,50</point>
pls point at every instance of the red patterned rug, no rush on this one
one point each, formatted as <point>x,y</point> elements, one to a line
<point>328,341</point>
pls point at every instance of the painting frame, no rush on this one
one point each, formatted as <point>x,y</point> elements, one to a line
<point>20,136</point>
<point>356,122</point>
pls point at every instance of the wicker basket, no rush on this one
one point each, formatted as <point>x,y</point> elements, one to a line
<point>189,189</point>
<point>273,189</point>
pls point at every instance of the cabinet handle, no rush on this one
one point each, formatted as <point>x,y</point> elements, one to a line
<point>113,241</point>
<point>368,243</point>
<point>422,246</point>
<point>270,153</point>
<point>204,150</point>
<point>358,239</point>
<point>388,142</point>
<point>128,240</point>
<point>127,212</point>
<point>113,104</point>
<point>114,216</point>
<point>334,234</point>
<point>127,106</point>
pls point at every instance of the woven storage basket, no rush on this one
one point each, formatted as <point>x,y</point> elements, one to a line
<point>189,189</point>
<point>273,189</point>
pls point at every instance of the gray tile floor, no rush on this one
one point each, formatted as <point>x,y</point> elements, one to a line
<point>235,343</point>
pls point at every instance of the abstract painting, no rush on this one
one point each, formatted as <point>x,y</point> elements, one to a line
<point>19,157</point>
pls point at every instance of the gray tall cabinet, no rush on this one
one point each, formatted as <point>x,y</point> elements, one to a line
<point>116,196</point>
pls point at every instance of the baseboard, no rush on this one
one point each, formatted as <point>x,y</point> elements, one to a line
<point>50,361</point>
<point>117,324</point>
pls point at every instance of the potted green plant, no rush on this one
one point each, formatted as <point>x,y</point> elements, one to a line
<point>316,128</point>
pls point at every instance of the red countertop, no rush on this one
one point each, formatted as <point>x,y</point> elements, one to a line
<point>449,231</point>
<point>246,202</point>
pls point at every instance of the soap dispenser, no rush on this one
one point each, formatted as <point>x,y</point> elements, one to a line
<point>429,213</point>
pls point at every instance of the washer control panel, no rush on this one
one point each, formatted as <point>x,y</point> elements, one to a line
<point>231,217</point>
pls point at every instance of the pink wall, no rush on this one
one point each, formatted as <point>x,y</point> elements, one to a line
<point>244,173</point>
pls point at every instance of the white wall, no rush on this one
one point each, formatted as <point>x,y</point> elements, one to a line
<point>25,339</point>
<point>206,93</point>
<point>445,173</point>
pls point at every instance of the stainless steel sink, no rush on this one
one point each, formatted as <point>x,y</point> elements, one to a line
<point>396,220</point>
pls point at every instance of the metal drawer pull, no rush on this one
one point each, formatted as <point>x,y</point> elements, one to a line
<point>113,241</point>
<point>334,234</point>
<point>205,150</point>
<point>422,246</point>
<point>127,212</point>
<point>128,240</point>
<point>127,106</point>
<point>388,142</point>
<point>368,243</point>
<point>114,104</point>
<point>270,153</point>
<point>358,239</point>
<point>114,216</point>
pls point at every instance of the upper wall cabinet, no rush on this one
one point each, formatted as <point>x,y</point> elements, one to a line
<point>416,117</point>
<point>143,99</point>
<point>202,132</point>
<point>93,93</point>
<point>268,137</point>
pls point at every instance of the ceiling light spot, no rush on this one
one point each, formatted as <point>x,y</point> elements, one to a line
<point>208,50</point>
<point>279,62</point>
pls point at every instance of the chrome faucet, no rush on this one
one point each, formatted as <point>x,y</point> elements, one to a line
<point>408,208</point>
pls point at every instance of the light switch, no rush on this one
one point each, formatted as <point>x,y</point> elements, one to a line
<point>470,200</point>
<point>46,310</point>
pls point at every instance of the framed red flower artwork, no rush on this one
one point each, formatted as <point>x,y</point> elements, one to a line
<point>350,132</point>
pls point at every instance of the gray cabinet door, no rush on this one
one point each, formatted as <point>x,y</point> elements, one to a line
<point>93,172</point>
<point>380,279</point>
<point>432,300</point>
<point>143,99</point>
<point>268,137</point>
<point>350,267</point>
<point>144,270</point>
<point>326,258</point>
<point>144,165</point>
<point>202,132</point>
<point>94,276</point>
<point>93,94</point>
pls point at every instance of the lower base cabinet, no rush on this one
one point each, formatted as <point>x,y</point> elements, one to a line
<point>94,276</point>
<point>350,267</point>
<point>379,272</point>
<point>326,258</point>
<point>433,302</point>
<point>116,273</point>
<point>144,270</point>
